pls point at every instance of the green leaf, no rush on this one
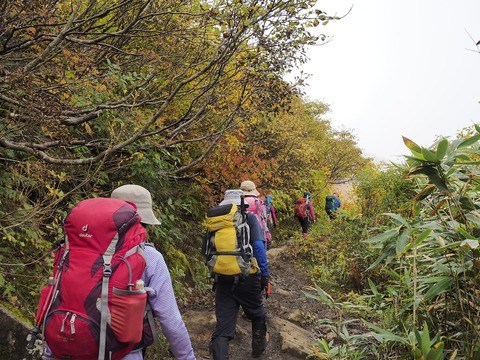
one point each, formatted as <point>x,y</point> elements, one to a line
<point>423,169</point>
<point>439,183</point>
<point>469,141</point>
<point>430,156</point>
<point>474,217</point>
<point>389,252</point>
<point>324,344</point>
<point>436,354</point>
<point>417,353</point>
<point>425,340</point>
<point>374,289</point>
<point>419,239</point>
<point>464,233</point>
<point>414,159</point>
<point>465,158</point>
<point>430,279</point>
<point>442,149</point>
<point>402,241</point>
<point>432,174</point>
<point>454,144</point>
<point>469,244</point>
<point>384,236</point>
<point>466,162</point>
<point>322,296</point>
<point>424,235</point>
<point>387,335</point>
<point>413,147</point>
<point>466,203</point>
<point>427,190</point>
<point>439,288</point>
<point>400,219</point>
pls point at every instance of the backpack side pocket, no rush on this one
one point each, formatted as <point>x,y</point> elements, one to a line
<point>126,309</point>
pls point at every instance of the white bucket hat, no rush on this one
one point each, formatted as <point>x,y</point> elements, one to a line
<point>249,188</point>
<point>232,197</point>
<point>141,198</point>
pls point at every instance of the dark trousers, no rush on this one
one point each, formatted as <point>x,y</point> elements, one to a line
<point>304,222</point>
<point>228,299</point>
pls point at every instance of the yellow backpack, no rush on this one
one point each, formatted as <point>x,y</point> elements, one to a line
<point>227,247</point>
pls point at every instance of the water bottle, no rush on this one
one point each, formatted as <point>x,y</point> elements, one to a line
<point>139,285</point>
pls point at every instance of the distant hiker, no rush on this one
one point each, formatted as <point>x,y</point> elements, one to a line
<point>257,207</point>
<point>332,204</point>
<point>234,286</point>
<point>304,212</point>
<point>271,215</point>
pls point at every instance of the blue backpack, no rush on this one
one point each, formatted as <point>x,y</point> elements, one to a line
<point>330,204</point>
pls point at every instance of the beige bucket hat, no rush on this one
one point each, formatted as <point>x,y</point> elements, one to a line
<point>141,198</point>
<point>248,187</point>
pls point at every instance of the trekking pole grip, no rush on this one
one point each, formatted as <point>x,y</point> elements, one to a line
<point>242,207</point>
<point>32,337</point>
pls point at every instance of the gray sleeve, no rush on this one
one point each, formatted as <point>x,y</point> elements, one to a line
<point>164,305</point>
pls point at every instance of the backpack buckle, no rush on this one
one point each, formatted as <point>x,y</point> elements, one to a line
<point>107,270</point>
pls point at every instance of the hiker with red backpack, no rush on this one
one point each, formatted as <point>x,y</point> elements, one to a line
<point>95,306</point>
<point>304,212</point>
<point>236,287</point>
<point>257,207</point>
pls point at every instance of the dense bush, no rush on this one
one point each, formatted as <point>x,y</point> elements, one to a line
<point>420,281</point>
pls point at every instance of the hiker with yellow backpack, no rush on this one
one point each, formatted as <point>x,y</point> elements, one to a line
<point>234,248</point>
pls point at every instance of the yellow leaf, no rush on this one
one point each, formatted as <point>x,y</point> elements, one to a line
<point>88,129</point>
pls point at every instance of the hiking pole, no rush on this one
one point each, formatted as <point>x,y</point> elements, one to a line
<point>242,207</point>
<point>244,220</point>
<point>32,337</point>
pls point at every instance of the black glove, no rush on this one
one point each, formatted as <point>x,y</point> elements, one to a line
<point>265,281</point>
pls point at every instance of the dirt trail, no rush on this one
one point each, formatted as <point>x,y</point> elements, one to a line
<point>290,314</point>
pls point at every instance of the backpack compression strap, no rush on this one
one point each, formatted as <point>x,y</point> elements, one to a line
<point>107,273</point>
<point>54,291</point>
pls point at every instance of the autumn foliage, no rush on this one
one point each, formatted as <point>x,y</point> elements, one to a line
<point>185,98</point>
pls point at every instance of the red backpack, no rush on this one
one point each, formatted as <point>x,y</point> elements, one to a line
<point>93,307</point>
<point>301,208</point>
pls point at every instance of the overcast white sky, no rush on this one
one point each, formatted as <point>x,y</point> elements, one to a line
<point>398,67</point>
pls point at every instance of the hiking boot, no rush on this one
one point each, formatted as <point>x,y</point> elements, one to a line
<point>259,347</point>
<point>218,348</point>
<point>259,338</point>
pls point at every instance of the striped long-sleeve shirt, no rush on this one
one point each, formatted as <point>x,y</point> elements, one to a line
<point>164,305</point>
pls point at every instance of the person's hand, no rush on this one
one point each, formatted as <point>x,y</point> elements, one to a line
<point>265,281</point>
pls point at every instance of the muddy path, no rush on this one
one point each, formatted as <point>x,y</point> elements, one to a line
<point>292,318</point>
